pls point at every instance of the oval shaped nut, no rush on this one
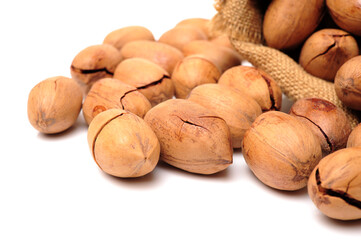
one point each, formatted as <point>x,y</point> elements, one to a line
<point>147,77</point>
<point>354,140</point>
<point>93,63</point>
<point>222,57</point>
<point>239,111</point>
<point>109,93</point>
<point>191,137</point>
<point>223,40</point>
<point>200,23</point>
<point>325,51</point>
<point>54,104</point>
<point>288,23</point>
<point>118,38</point>
<point>122,144</point>
<point>328,122</point>
<point>256,83</point>
<point>191,72</point>
<point>281,151</point>
<point>180,36</point>
<point>346,14</point>
<point>162,54</point>
<point>348,83</point>
<point>334,185</point>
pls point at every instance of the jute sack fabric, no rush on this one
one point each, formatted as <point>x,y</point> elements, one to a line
<point>241,20</point>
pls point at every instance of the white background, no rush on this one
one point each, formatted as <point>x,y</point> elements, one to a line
<point>52,189</point>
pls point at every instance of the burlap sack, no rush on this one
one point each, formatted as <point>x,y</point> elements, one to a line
<point>241,20</point>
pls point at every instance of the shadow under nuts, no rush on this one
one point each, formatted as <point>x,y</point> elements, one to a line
<point>354,140</point>
<point>149,79</point>
<point>328,122</point>
<point>326,50</point>
<point>191,137</point>
<point>334,185</point>
<point>54,104</point>
<point>256,83</point>
<point>288,23</point>
<point>281,151</point>
<point>191,72</point>
<point>93,63</point>
<point>239,111</point>
<point>122,144</point>
<point>348,83</point>
<point>109,93</point>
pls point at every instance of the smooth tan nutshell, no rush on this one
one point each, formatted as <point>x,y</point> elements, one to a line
<point>288,23</point>
<point>334,185</point>
<point>281,151</point>
<point>346,14</point>
<point>222,40</point>
<point>191,72</point>
<point>122,144</point>
<point>222,57</point>
<point>191,137</point>
<point>108,93</point>
<point>118,38</point>
<point>54,104</point>
<point>325,51</point>
<point>354,140</point>
<point>162,54</point>
<point>239,111</point>
<point>328,122</point>
<point>348,83</point>
<point>200,23</point>
<point>180,36</point>
<point>256,83</point>
<point>149,78</point>
<point>93,63</point>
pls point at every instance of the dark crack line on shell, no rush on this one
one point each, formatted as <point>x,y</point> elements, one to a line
<point>190,123</point>
<point>336,193</point>
<point>90,71</point>
<point>329,143</point>
<point>323,53</point>
<point>122,97</point>
<point>153,83</point>
<point>271,94</point>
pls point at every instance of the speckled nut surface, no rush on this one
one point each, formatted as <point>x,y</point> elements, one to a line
<point>326,50</point>
<point>108,93</point>
<point>93,63</point>
<point>239,111</point>
<point>200,23</point>
<point>348,83</point>
<point>256,83</point>
<point>147,77</point>
<point>180,36</point>
<point>354,140</point>
<point>192,137</point>
<point>328,122</point>
<point>162,54</point>
<point>122,144</point>
<point>118,38</point>
<point>281,151</point>
<point>193,71</point>
<point>54,104</point>
<point>334,185</point>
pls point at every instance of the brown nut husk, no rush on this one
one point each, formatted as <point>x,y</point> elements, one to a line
<point>191,137</point>
<point>109,93</point>
<point>354,140</point>
<point>122,144</point>
<point>348,83</point>
<point>162,54</point>
<point>118,38</point>
<point>54,104</point>
<point>149,78</point>
<point>328,122</point>
<point>346,14</point>
<point>281,151</point>
<point>200,23</point>
<point>180,36</point>
<point>223,57</point>
<point>239,111</point>
<point>288,23</point>
<point>94,63</point>
<point>191,72</point>
<point>334,185</point>
<point>325,51</point>
<point>256,83</point>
